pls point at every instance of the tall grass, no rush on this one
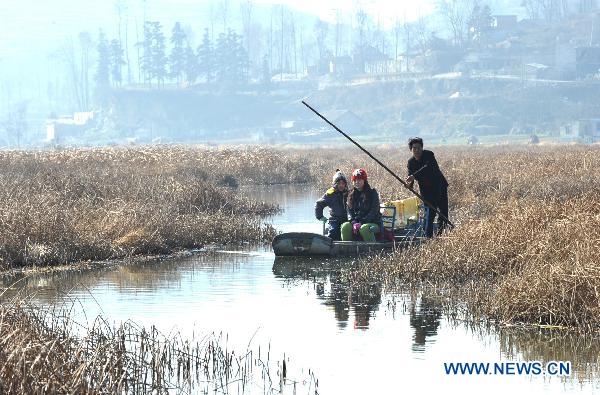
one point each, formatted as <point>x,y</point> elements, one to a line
<point>528,231</point>
<point>91,204</point>
<point>527,217</point>
<point>42,351</point>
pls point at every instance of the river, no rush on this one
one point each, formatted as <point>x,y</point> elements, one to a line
<point>370,342</point>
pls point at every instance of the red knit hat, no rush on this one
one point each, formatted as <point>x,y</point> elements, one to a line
<point>359,174</point>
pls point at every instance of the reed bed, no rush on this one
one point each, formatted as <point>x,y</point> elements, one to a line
<point>44,351</point>
<point>58,207</point>
<point>527,216</point>
<point>527,238</point>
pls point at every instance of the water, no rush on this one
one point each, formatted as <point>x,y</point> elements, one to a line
<point>369,342</point>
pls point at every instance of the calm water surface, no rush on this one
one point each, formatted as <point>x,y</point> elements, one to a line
<point>364,343</point>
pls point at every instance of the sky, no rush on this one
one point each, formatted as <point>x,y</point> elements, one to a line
<point>26,25</point>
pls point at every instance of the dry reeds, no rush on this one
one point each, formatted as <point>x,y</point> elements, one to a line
<point>67,206</point>
<point>528,233</point>
<point>42,351</point>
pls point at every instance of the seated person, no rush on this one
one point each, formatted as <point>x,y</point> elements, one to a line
<point>363,210</point>
<point>334,198</point>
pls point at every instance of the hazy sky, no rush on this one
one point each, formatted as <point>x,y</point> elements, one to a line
<point>25,25</point>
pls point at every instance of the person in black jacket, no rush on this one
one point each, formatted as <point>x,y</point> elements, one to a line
<point>363,210</point>
<point>432,184</point>
<point>335,199</point>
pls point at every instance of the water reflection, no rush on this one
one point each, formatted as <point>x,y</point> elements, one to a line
<point>583,351</point>
<point>302,308</point>
<point>425,316</point>
<point>329,287</point>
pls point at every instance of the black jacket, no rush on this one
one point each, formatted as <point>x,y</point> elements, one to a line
<point>365,210</point>
<point>336,201</point>
<point>430,179</point>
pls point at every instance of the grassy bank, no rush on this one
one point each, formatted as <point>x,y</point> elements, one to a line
<point>94,204</point>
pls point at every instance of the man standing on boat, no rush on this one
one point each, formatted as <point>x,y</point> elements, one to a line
<point>433,186</point>
<point>334,198</point>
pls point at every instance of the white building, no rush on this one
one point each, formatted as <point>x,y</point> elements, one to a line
<point>66,126</point>
<point>582,131</point>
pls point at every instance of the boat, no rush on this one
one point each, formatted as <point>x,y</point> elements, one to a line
<point>406,233</point>
<point>313,244</point>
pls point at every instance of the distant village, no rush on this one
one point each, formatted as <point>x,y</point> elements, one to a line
<point>525,53</point>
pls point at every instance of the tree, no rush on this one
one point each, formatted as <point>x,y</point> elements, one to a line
<point>116,62</point>
<point>548,9</point>
<point>15,123</point>
<point>154,60</point>
<point>103,66</point>
<point>121,8</point>
<point>206,58</point>
<point>85,42</point>
<point>480,23</point>
<point>359,49</point>
<point>239,58</point>
<point>69,56</point>
<point>422,34</point>
<point>231,59</point>
<point>321,29</point>
<point>456,14</point>
<point>246,9</point>
<point>224,12</point>
<point>190,67</point>
<point>177,59</point>
<point>221,59</point>
<point>266,73</point>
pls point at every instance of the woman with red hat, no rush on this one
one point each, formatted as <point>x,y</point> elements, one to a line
<point>363,209</point>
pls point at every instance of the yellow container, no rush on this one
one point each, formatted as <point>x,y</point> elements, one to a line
<point>411,207</point>
<point>406,210</point>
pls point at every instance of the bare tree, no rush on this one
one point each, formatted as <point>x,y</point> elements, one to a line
<point>321,29</point>
<point>86,43</point>
<point>68,56</point>
<point>533,8</point>
<point>224,12</point>
<point>548,9</point>
<point>397,32</point>
<point>123,18</point>
<point>293,38</point>
<point>246,8</point>
<point>338,28</point>
<point>456,14</point>
<point>407,41</point>
<point>15,123</point>
<point>422,33</point>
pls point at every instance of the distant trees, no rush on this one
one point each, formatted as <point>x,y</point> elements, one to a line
<point>551,10</point>
<point>480,23</point>
<point>117,62</point>
<point>177,59</point>
<point>223,61</point>
<point>15,123</point>
<point>103,65</point>
<point>109,65</point>
<point>154,58</point>
<point>206,61</point>
<point>231,58</point>
<point>456,13</point>
<point>321,30</point>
